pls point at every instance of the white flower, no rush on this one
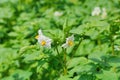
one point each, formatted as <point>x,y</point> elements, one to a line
<point>39,34</point>
<point>69,42</point>
<point>43,40</point>
<point>104,13</point>
<point>57,13</point>
<point>96,11</point>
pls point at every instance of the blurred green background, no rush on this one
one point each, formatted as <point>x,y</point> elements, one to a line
<point>20,21</point>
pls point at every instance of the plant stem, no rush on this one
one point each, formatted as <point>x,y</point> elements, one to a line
<point>112,45</point>
<point>75,48</point>
<point>59,56</point>
<point>57,51</point>
<point>65,62</point>
<point>60,59</point>
<point>99,43</point>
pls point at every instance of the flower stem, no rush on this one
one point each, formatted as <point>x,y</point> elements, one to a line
<point>65,62</point>
<point>76,47</point>
<point>60,59</point>
<point>57,51</point>
<point>99,43</point>
<point>112,45</point>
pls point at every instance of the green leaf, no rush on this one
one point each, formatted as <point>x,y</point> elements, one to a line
<point>107,75</point>
<point>114,61</point>
<point>64,78</point>
<point>19,75</point>
<point>76,61</point>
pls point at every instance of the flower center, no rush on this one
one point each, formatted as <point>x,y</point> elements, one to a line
<point>43,42</point>
<point>70,42</point>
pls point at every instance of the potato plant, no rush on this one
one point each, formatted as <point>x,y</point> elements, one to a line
<point>59,39</point>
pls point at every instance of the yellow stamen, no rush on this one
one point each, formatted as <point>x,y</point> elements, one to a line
<point>70,42</point>
<point>43,43</point>
<point>36,37</point>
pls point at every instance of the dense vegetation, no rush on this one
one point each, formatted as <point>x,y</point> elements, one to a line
<point>83,36</point>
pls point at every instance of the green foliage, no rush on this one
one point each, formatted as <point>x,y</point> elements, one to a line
<point>95,54</point>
